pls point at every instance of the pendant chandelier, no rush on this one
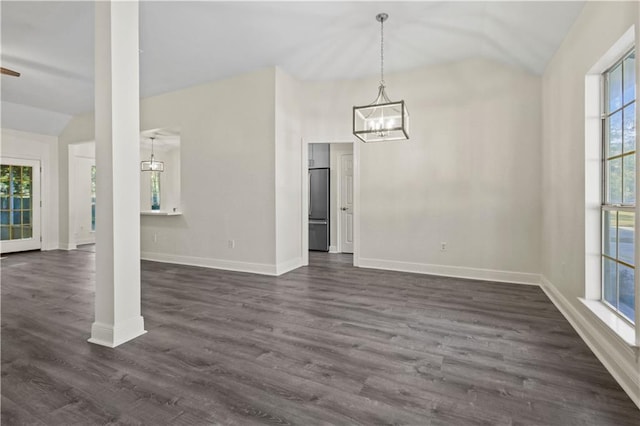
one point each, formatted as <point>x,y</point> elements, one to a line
<point>382,120</point>
<point>152,165</point>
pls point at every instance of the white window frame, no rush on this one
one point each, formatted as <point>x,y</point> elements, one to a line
<point>622,329</point>
<point>607,206</point>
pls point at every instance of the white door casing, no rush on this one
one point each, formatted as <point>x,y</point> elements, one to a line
<point>34,241</point>
<point>346,203</point>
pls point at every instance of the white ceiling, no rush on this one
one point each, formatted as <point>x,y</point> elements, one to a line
<point>163,139</point>
<point>189,43</point>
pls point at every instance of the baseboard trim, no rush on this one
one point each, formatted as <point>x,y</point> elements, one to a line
<point>205,262</point>
<point>289,265</point>
<point>114,335</point>
<point>452,271</point>
<point>597,339</point>
<point>333,249</point>
<point>85,241</point>
<point>67,246</point>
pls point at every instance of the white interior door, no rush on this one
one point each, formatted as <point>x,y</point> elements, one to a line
<point>346,203</point>
<point>19,205</point>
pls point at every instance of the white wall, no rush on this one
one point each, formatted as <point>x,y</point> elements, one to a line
<point>228,155</point>
<point>17,144</point>
<point>82,158</point>
<point>597,28</point>
<point>288,181</point>
<point>469,176</point>
<point>336,151</point>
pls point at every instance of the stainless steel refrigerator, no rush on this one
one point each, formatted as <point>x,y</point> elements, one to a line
<point>319,209</point>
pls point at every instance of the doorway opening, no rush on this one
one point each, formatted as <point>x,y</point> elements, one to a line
<point>329,219</point>
<point>82,195</point>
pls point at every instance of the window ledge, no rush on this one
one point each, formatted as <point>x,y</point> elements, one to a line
<point>622,328</point>
<point>160,213</point>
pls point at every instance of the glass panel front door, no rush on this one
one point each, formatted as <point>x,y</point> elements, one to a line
<point>19,205</point>
<point>16,208</point>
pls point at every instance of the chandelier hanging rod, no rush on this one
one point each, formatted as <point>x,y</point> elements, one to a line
<point>381,17</point>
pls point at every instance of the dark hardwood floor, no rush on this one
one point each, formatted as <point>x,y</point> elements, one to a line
<point>325,344</point>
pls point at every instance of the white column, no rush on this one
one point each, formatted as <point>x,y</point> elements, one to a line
<point>117,127</point>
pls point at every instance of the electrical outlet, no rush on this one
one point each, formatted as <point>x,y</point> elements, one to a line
<point>232,243</point>
<point>443,246</point>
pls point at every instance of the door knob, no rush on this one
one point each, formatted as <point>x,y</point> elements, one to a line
<point>343,208</point>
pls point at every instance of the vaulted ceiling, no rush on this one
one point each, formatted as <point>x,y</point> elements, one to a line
<point>187,43</point>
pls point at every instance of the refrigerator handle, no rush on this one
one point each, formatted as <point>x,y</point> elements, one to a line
<point>309,194</point>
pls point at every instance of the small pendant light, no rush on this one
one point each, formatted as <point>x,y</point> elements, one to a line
<point>152,165</point>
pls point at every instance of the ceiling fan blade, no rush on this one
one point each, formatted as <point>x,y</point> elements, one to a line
<point>7,71</point>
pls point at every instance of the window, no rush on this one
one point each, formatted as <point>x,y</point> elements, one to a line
<point>16,209</point>
<point>155,190</point>
<point>93,198</point>
<point>619,187</point>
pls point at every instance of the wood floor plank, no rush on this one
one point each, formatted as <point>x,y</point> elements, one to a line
<point>15,414</point>
<point>324,344</point>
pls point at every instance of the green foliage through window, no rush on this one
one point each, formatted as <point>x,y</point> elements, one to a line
<point>16,209</point>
